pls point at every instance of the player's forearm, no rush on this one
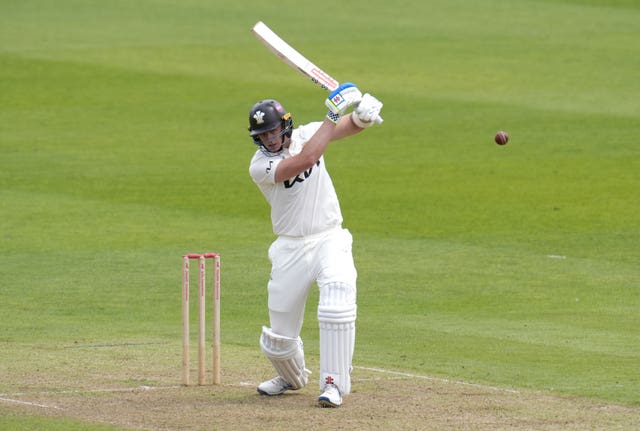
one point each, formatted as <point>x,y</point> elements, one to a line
<point>309,155</point>
<point>318,143</point>
<point>345,127</point>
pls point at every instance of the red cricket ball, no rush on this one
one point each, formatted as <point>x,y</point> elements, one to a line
<point>501,138</point>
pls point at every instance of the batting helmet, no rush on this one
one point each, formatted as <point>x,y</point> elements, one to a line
<point>267,115</point>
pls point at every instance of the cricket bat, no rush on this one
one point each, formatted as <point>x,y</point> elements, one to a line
<point>294,59</point>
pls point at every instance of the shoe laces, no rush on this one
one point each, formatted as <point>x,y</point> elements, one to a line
<point>331,388</point>
<point>279,380</point>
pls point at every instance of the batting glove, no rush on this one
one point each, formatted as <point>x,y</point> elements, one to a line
<point>367,112</point>
<point>341,99</point>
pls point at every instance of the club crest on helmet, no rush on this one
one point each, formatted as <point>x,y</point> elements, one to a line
<point>259,117</point>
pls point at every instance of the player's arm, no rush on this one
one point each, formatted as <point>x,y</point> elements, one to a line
<point>332,128</point>
<point>345,127</point>
<point>310,154</point>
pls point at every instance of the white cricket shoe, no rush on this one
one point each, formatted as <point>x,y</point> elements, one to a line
<point>275,386</point>
<point>331,397</point>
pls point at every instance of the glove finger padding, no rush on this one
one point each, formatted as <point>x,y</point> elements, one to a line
<point>343,97</point>
<point>367,112</point>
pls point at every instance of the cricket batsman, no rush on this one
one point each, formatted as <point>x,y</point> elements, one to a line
<point>311,246</point>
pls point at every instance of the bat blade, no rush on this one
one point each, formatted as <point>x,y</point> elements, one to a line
<point>296,60</point>
<point>293,58</point>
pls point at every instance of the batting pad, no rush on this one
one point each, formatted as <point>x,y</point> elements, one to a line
<point>287,356</point>
<point>336,317</point>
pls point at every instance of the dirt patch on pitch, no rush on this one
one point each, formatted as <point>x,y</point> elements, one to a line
<point>380,401</point>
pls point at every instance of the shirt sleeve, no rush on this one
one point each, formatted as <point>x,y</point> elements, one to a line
<point>263,169</point>
<point>302,134</point>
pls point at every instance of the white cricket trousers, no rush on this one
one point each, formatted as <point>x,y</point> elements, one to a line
<point>298,262</point>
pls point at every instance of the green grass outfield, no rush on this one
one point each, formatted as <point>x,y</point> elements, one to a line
<point>123,145</point>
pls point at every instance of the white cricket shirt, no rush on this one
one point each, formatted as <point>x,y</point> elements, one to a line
<point>304,205</point>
